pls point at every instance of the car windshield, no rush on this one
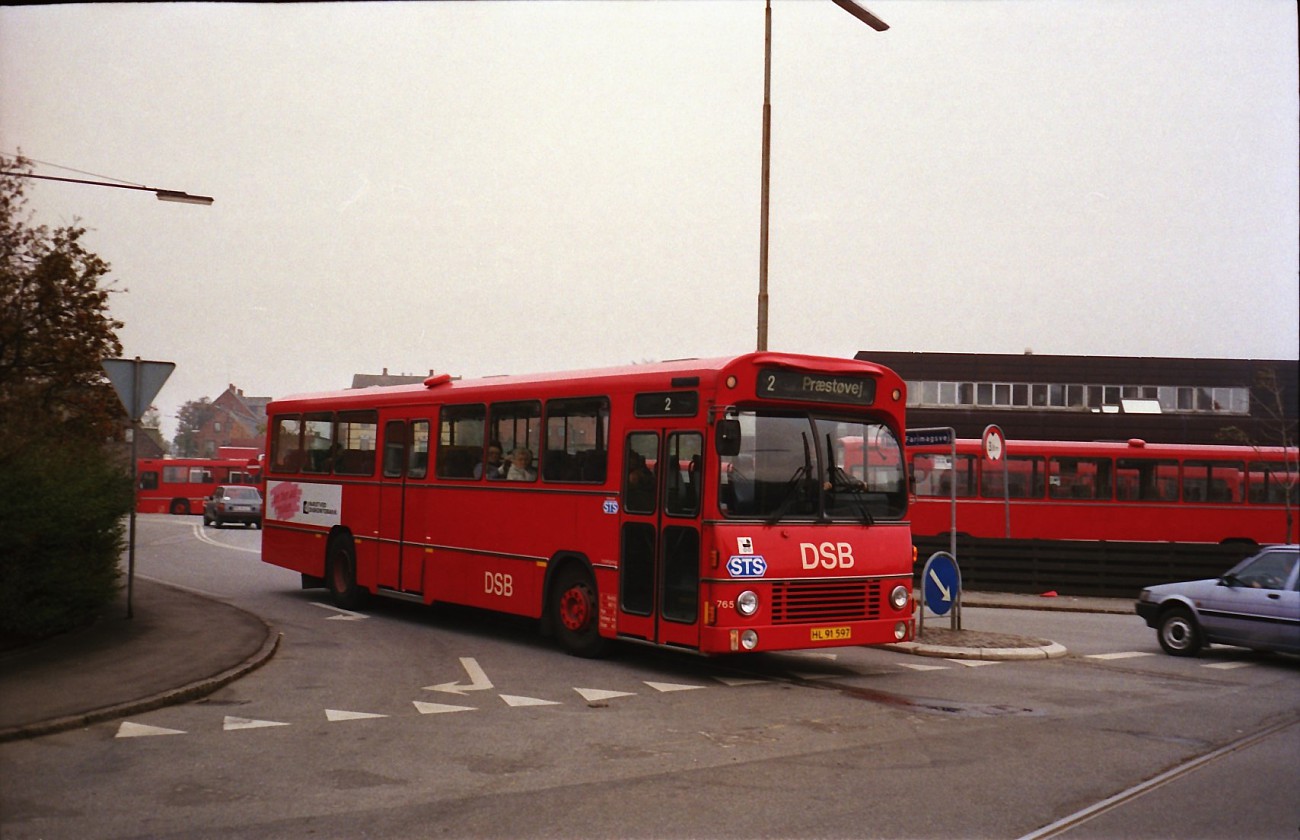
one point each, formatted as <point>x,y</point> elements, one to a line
<point>812,466</point>
<point>243,494</point>
<point>1266,570</point>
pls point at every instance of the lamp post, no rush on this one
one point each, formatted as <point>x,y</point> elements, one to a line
<point>163,195</point>
<point>870,20</point>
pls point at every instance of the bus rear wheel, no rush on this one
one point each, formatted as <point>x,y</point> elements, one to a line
<point>180,507</point>
<point>575,613</point>
<point>341,574</point>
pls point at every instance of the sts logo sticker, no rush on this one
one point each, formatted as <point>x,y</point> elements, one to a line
<point>746,566</point>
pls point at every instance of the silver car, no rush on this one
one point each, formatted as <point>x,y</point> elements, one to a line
<point>233,504</point>
<point>1256,604</point>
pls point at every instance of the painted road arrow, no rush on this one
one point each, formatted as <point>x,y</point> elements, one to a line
<point>478,680</point>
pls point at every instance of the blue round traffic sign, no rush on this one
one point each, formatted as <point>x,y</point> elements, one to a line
<point>941,581</point>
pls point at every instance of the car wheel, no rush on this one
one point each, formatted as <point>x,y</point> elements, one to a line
<point>1178,633</point>
<point>207,520</point>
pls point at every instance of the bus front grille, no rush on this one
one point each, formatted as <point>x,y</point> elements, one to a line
<point>803,601</point>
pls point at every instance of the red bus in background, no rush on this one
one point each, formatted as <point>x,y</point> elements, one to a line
<point>697,504</point>
<point>179,485</point>
<point>1127,492</point>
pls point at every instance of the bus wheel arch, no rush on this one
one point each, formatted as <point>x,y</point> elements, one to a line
<point>572,611</point>
<point>341,570</point>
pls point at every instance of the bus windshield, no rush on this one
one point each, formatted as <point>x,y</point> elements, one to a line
<point>813,466</point>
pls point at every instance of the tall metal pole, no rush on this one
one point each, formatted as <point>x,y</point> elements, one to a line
<point>135,488</point>
<point>767,177</point>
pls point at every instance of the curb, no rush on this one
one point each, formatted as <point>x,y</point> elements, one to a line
<point>1051,650</point>
<point>170,697</point>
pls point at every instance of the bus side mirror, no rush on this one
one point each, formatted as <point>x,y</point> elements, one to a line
<point>726,437</point>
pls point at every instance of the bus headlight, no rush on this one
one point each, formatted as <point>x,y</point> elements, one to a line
<point>749,640</point>
<point>898,598</point>
<point>747,603</point>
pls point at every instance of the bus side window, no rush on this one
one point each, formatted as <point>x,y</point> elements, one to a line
<point>460,441</point>
<point>149,480</point>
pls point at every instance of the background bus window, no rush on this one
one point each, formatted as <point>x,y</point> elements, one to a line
<point>1027,476</point>
<point>1079,478</point>
<point>518,424</point>
<point>934,475</point>
<point>460,440</point>
<point>577,438</point>
<point>286,445</point>
<point>1271,483</point>
<point>419,466</point>
<point>1146,480</point>
<point>640,471</point>
<point>394,448</point>
<point>356,433</point>
<point>683,462</point>
<point>318,443</point>
<point>1213,481</point>
<point>149,480</point>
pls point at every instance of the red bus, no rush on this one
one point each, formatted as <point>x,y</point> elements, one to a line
<point>179,485</point>
<point>1127,492</point>
<point>696,504</point>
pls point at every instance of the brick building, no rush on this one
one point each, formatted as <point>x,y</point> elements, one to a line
<point>235,420</point>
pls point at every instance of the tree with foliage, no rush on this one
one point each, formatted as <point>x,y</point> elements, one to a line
<point>190,420</point>
<point>62,494</point>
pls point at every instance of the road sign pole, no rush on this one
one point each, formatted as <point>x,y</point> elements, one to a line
<point>137,382</point>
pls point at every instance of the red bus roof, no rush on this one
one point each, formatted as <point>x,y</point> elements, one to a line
<point>630,377</point>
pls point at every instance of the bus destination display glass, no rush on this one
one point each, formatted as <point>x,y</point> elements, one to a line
<point>778,384</point>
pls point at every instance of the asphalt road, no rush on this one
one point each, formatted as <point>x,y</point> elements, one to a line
<point>401,721</point>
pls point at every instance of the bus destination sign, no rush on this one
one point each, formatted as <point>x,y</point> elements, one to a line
<point>778,384</point>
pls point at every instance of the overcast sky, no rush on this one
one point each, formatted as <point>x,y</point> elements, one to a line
<point>485,188</point>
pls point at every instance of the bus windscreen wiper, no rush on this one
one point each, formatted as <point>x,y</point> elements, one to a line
<point>796,489</point>
<point>838,479</point>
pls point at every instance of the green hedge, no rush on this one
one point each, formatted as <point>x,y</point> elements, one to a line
<point>62,533</point>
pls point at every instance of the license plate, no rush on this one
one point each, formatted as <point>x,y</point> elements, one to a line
<point>831,634</point>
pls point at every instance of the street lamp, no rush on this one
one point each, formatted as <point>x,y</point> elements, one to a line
<point>870,20</point>
<point>163,195</point>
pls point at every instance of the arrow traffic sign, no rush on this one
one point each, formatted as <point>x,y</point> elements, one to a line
<point>942,582</point>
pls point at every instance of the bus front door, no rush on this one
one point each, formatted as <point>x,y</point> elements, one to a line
<point>659,538</point>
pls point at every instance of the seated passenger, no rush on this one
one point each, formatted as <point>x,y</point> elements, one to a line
<point>521,466</point>
<point>493,467</point>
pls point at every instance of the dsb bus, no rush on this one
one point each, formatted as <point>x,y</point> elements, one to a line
<point>696,504</point>
<point>1127,492</point>
<point>179,485</point>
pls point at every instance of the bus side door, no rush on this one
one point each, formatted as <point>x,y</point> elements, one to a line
<point>659,537</point>
<point>401,512</point>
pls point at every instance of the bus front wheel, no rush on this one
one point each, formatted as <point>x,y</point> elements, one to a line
<point>341,574</point>
<point>180,507</point>
<point>575,614</point>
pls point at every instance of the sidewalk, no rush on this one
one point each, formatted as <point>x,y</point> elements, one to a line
<point>181,646</point>
<point>178,646</point>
